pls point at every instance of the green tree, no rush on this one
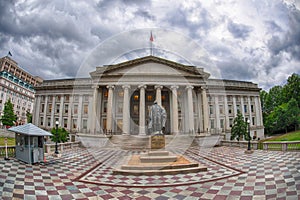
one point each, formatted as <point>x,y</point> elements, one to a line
<point>293,114</point>
<point>292,88</point>
<point>239,128</point>
<point>61,136</point>
<point>29,117</point>
<point>9,118</point>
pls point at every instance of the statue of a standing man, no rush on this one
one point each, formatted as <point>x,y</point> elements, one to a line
<point>157,119</point>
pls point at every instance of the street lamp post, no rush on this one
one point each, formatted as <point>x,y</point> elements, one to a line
<point>249,137</point>
<point>56,124</point>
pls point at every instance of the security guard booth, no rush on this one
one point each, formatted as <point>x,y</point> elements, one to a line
<point>29,143</point>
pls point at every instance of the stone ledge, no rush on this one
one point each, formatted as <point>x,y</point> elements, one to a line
<point>160,172</point>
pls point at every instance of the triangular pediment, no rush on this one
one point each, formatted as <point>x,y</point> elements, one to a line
<point>151,66</point>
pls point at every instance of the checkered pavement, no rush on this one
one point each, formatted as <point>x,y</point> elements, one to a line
<point>87,174</point>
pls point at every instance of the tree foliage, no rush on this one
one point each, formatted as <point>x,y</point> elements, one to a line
<point>281,106</point>
<point>239,128</point>
<point>61,135</point>
<point>9,118</point>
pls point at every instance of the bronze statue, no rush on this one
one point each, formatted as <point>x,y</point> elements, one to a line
<point>157,119</point>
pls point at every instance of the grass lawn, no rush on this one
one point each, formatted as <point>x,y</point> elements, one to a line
<point>10,141</point>
<point>292,136</point>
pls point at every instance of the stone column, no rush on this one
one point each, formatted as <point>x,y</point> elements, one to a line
<point>142,126</point>
<point>234,106</point>
<point>226,113</point>
<point>190,108</point>
<point>217,114</point>
<point>45,111</point>
<point>52,123</point>
<point>36,116</point>
<point>174,109</point>
<point>158,94</point>
<point>61,107</point>
<point>242,107</point>
<point>79,120</point>
<point>258,111</point>
<point>94,109</point>
<point>205,110</point>
<point>70,113</point>
<point>126,110</point>
<point>200,113</point>
<point>109,107</point>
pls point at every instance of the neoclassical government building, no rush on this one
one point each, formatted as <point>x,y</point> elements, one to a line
<point>116,98</point>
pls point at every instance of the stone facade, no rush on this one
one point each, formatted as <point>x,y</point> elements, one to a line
<point>116,98</point>
<point>17,85</point>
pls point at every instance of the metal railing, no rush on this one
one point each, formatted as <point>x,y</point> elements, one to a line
<point>11,151</point>
<point>268,145</point>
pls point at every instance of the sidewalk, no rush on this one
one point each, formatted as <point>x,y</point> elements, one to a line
<point>87,174</point>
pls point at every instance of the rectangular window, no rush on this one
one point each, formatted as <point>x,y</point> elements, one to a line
<point>221,109</point>
<point>74,124</point>
<point>42,121</point>
<point>75,109</point>
<point>252,108</point>
<point>42,107</point>
<point>253,121</point>
<point>238,108</point>
<point>211,109</point>
<point>229,109</point>
<point>67,97</point>
<point>245,108</point>
<point>49,107</point>
<point>57,108</point>
<point>48,121</point>
<point>84,123</point>
<point>221,123</point>
<point>66,109</point>
<point>85,109</point>
<point>212,123</point>
<point>58,98</point>
<point>65,122</point>
<point>230,122</point>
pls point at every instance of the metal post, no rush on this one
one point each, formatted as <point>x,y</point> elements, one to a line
<point>56,149</point>
<point>249,137</point>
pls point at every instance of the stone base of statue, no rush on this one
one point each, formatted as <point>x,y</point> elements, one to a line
<point>157,161</point>
<point>157,141</point>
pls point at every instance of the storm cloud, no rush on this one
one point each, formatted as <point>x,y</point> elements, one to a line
<point>255,41</point>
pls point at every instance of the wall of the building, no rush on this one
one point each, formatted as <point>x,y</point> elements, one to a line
<point>74,110</point>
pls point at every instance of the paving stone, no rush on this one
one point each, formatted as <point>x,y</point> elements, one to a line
<point>87,174</point>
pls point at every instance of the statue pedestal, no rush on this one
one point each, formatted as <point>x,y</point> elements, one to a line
<point>157,141</point>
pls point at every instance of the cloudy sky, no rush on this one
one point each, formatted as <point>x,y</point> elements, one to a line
<point>251,40</point>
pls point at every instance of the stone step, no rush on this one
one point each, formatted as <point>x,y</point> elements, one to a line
<point>158,159</point>
<point>159,166</point>
<point>160,172</point>
<point>158,153</point>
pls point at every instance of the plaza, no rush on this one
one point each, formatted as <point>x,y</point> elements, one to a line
<point>86,173</point>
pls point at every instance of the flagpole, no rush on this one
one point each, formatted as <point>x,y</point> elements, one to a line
<point>151,45</point>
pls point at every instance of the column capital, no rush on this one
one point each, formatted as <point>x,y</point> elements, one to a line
<point>158,86</point>
<point>95,86</point>
<point>174,87</point>
<point>142,86</point>
<point>126,86</point>
<point>189,87</point>
<point>110,86</point>
<point>204,87</point>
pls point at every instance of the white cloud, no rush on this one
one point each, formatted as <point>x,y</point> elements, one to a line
<point>53,37</point>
